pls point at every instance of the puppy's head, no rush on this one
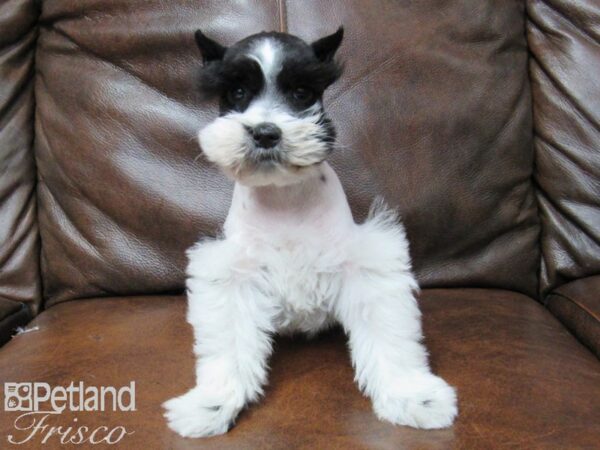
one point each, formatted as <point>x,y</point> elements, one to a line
<point>272,128</point>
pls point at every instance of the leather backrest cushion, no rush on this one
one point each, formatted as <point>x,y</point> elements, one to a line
<point>19,238</point>
<point>565,72</point>
<point>433,113</point>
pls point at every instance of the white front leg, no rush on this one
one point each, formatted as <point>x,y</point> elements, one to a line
<point>383,322</point>
<point>232,320</point>
<point>380,314</point>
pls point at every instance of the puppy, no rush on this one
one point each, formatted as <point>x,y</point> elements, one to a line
<point>291,258</point>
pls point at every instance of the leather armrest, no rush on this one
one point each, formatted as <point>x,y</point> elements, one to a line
<point>20,279</point>
<point>577,306</point>
<point>12,315</point>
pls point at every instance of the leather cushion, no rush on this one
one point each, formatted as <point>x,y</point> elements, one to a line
<point>522,379</point>
<point>433,112</point>
<point>577,305</point>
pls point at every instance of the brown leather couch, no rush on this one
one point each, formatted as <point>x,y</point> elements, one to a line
<point>478,120</point>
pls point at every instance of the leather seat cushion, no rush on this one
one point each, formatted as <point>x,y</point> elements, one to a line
<point>577,306</point>
<point>522,379</point>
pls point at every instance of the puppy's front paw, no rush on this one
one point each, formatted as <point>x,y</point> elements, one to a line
<point>424,401</point>
<point>196,414</point>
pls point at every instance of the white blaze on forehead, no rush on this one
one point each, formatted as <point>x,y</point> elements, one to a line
<point>265,53</point>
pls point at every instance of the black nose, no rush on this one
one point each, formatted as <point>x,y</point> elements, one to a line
<point>266,134</point>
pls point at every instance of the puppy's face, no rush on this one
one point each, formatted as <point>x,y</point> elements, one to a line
<point>272,128</point>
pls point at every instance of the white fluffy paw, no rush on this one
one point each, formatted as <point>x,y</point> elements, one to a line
<point>196,414</point>
<point>423,401</point>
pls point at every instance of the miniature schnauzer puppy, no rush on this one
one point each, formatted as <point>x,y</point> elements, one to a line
<point>291,258</point>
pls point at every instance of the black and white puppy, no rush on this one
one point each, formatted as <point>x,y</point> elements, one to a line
<point>292,259</point>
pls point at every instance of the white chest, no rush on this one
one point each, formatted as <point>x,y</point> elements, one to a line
<point>297,236</point>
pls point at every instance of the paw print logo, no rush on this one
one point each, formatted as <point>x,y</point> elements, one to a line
<point>17,396</point>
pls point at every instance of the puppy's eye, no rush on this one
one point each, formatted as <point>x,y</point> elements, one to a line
<point>237,94</point>
<point>302,94</point>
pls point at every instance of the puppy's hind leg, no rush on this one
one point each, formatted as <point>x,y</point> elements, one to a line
<point>232,320</point>
<point>379,312</point>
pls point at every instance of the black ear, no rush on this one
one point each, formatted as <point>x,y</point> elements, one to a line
<point>326,47</point>
<point>210,49</point>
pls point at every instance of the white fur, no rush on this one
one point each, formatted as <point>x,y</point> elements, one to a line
<point>266,53</point>
<point>226,143</point>
<point>293,260</point>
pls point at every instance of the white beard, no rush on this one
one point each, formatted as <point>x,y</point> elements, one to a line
<point>226,143</point>
<point>293,260</point>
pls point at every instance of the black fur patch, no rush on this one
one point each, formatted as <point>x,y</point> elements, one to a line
<point>311,74</point>
<point>218,78</point>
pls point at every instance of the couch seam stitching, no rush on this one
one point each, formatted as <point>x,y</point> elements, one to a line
<point>282,16</point>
